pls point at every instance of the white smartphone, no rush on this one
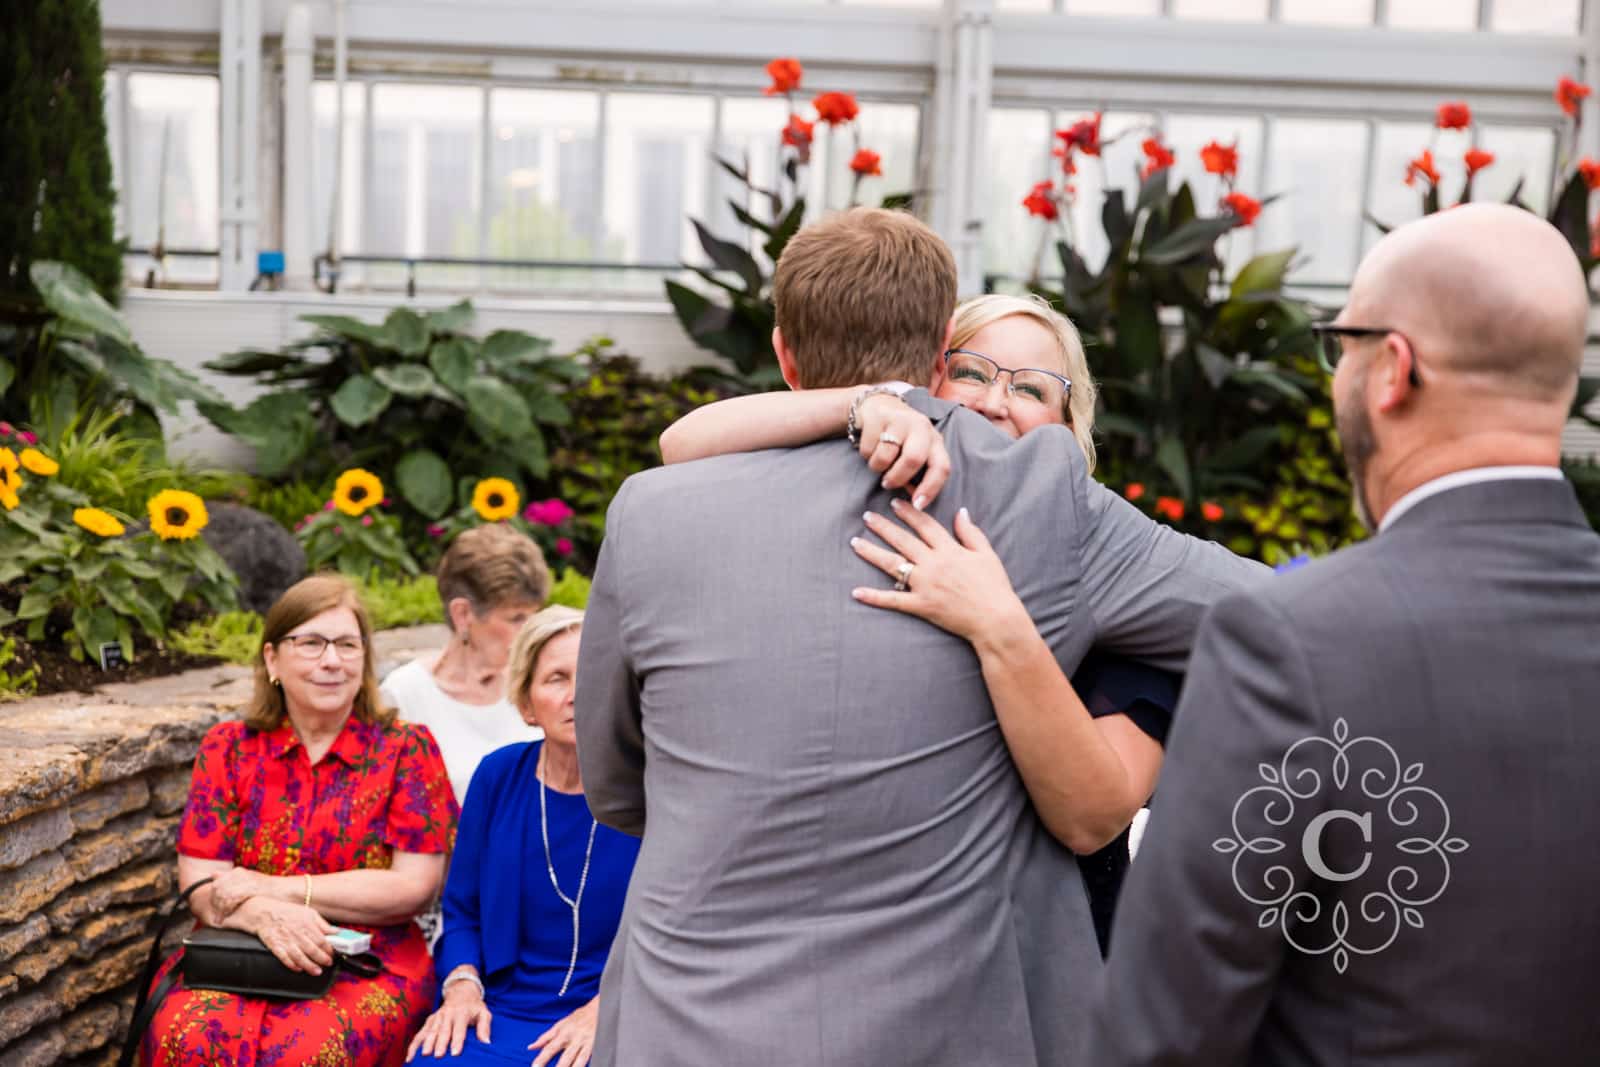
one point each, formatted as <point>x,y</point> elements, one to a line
<point>349,942</point>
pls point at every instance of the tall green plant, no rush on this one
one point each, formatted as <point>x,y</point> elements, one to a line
<point>55,169</point>
<point>417,399</point>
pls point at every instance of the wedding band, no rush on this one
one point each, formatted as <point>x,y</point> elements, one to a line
<point>902,575</point>
<point>888,438</point>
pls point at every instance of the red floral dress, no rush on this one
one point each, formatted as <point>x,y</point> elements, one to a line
<point>257,801</point>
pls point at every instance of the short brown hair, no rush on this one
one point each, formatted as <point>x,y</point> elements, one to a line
<point>307,599</point>
<point>865,296</point>
<point>492,565</point>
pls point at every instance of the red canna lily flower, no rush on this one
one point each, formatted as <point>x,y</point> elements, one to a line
<point>1157,157</point>
<point>1246,207</point>
<point>797,135</point>
<point>785,75</point>
<point>1476,159</point>
<point>1570,94</point>
<point>1455,116</point>
<point>1171,507</point>
<point>1211,512</point>
<point>1220,159</point>
<point>867,163</point>
<point>1083,135</point>
<point>1134,491</point>
<point>1422,165</point>
<point>1590,169</point>
<point>1041,201</point>
<point>835,108</point>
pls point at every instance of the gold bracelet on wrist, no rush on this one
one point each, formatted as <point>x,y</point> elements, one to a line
<point>308,890</point>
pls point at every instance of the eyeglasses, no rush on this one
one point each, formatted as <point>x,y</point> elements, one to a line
<point>973,372</point>
<point>1330,346</point>
<point>312,646</point>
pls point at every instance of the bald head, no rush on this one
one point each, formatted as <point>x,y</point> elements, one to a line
<point>1487,293</point>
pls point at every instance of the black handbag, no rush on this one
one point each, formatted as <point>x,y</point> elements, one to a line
<point>229,961</point>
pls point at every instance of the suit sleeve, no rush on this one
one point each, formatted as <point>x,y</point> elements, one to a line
<point>1146,584</point>
<point>1192,969</point>
<point>610,732</point>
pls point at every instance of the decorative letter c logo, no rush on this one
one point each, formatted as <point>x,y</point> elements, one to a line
<point>1311,844</point>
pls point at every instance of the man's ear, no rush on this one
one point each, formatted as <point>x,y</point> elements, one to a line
<point>1394,374</point>
<point>936,376</point>
<point>791,373</point>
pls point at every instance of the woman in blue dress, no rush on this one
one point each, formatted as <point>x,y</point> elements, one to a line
<point>536,886</point>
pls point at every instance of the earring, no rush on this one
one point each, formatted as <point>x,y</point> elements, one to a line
<point>274,681</point>
<point>466,639</point>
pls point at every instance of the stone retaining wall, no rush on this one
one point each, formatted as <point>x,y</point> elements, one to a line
<point>90,798</point>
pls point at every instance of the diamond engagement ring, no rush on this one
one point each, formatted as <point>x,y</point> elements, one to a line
<point>902,575</point>
<point>888,438</point>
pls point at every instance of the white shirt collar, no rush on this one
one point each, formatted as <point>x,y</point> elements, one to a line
<point>1458,479</point>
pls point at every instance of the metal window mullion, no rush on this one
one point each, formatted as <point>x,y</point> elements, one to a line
<point>1274,10</point>
<point>1368,183</point>
<point>1168,8</point>
<point>602,122</point>
<point>125,150</point>
<point>1380,13</point>
<point>485,178</point>
<point>1262,169</point>
<point>709,200</point>
<point>1485,14</point>
<point>369,141</point>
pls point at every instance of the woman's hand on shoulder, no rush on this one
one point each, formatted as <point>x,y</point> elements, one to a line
<point>294,933</point>
<point>572,1038</point>
<point>446,1029</point>
<point>912,445</point>
<point>957,583</point>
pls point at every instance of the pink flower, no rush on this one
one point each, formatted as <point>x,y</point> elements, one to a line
<point>29,438</point>
<point>328,506</point>
<point>435,530</point>
<point>564,546</point>
<point>552,512</point>
<point>366,520</point>
<point>5,429</point>
<point>385,502</point>
<point>339,530</point>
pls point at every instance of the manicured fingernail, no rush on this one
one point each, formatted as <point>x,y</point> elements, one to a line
<point>859,594</point>
<point>964,516</point>
<point>920,502</point>
<point>897,504</point>
<point>855,542</point>
<point>867,517</point>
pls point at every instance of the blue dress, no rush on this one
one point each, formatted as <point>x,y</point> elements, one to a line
<point>502,915</point>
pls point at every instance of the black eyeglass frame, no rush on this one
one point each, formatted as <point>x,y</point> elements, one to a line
<point>1011,386</point>
<point>1328,333</point>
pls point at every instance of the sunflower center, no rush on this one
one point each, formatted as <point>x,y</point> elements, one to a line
<point>496,500</point>
<point>177,516</point>
<point>358,494</point>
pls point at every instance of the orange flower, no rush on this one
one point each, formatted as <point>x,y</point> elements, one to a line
<point>1220,159</point>
<point>835,108</point>
<point>1041,201</point>
<point>1083,135</point>
<point>1246,207</point>
<point>1068,167</point>
<point>1570,94</point>
<point>867,163</point>
<point>1476,159</point>
<point>1422,165</point>
<point>1455,116</point>
<point>1134,491</point>
<point>797,135</point>
<point>1157,157</point>
<point>1211,512</point>
<point>1171,507</point>
<point>1590,169</point>
<point>785,75</point>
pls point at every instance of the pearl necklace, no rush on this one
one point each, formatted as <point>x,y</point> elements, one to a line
<point>572,902</point>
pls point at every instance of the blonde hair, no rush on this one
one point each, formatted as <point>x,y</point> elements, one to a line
<point>537,632</point>
<point>864,296</point>
<point>492,565</point>
<point>973,315</point>
<point>307,599</point>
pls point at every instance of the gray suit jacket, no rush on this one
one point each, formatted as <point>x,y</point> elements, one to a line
<point>1462,647</point>
<point>839,864</point>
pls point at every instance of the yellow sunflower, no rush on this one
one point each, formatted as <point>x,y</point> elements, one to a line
<point>100,523</point>
<point>8,461</point>
<point>356,491</point>
<point>8,495</point>
<point>495,499</point>
<point>177,515</point>
<point>39,463</point>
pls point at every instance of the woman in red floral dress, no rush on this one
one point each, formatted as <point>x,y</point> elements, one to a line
<point>317,809</point>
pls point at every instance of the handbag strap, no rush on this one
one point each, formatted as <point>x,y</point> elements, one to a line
<point>144,1008</point>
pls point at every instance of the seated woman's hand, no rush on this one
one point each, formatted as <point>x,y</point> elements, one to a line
<point>920,447</point>
<point>294,933</point>
<point>446,1029</point>
<point>234,886</point>
<point>572,1037</point>
<point>958,585</point>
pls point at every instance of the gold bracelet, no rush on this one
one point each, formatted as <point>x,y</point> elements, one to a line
<point>308,890</point>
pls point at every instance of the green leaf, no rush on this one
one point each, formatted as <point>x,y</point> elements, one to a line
<point>1192,238</point>
<point>1263,274</point>
<point>1138,329</point>
<point>68,293</point>
<point>549,409</point>
<point>250,361</point>
<point>453,319</point>
<point>424,481</point>
<point>1121,425</point>
<point>359,400</point>
<point>899,202</point>
<point>410,379</point>
<point>498,408</point>
<point>135,373</point>
<point>1213,364</point>
<point>509,348</point>
<point>174,584</point>
<point>1115,219</point>
<point>748,219</point>
<point>8,374</point>
<point>453,361</point>
<point>343,326</point>
<point>279,426</point>
<point>87,359</point>
<point>730,257</point>
<point>786,229</point>
<point>1174,459</point>
<point>1571,214</point>
<point>34,605</point>
<point>405,332</point>
<point>1270,379</point>
<point>1243,451</point>
<point>1154,191</point>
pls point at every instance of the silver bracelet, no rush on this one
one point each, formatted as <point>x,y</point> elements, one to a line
<point>460,974</point>
<point>852,421</point>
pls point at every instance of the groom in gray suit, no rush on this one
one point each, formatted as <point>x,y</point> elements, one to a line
<point>1368,845</point>
<point>839,864</point>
